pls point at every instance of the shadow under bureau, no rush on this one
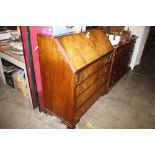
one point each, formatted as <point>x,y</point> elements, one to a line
<point>74,72</point>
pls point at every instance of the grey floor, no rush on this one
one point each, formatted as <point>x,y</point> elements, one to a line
<point>130,104</point>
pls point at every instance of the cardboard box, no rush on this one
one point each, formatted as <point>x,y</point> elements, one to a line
<point>20,84</point>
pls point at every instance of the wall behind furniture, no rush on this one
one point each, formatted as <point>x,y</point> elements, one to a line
<point>142,33</point>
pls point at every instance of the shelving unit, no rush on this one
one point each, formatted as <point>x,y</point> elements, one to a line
<point>17,60</point>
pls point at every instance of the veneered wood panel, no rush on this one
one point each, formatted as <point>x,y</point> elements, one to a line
<point>57,79</point>
<point>85,48</point>
<point>94,77</point>
<point>86,72</point>
<point>90,102</point>
<point>90,91</point>
<point>101,42</point>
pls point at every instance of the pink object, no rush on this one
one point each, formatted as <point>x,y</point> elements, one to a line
<point>23,32</point>
<point>48,30</point>
<point>34,30</point>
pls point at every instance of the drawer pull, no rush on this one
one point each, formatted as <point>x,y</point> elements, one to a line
<point>85,74</point>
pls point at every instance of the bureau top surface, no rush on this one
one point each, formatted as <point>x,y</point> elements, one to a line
<point>84,48</point>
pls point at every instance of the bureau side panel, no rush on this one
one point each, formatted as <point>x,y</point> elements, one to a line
<point>57,79</point>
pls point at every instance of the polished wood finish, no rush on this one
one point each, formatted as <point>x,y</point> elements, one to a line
<point>74,72</point>
<point>103,71</point>
<point>120,62</point>
<point>80,112</point>
<point>57,78</point>
<point>113,29</point>
<point>84,48</point>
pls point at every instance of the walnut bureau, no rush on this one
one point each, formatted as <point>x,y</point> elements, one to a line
<point>74,71</point>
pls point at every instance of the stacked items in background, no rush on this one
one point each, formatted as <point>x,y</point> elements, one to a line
<point>5,39</point>
<point>8,76</point>
<point>20,81</point>
<point>9,68</point>
<point>11,40</point>
<point>4,43</point>
<point>16,45</point>
<point>15,77</point>
<point>117,35</point>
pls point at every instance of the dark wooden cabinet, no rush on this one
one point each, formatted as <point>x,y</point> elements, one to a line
<point>120,62</point>
<point>74,72</point>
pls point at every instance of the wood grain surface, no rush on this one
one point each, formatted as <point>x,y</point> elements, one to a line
<point>57,79</point>
<point>85,47</point>
<point>74,72</point>
<point>120,62</point>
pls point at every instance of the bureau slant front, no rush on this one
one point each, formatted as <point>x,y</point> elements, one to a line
<point>74,72</point>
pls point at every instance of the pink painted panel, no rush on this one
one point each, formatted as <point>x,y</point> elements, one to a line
<point>34,30</point>
<point>23,32</point>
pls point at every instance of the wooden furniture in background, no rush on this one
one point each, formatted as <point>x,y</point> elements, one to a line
<point>74,72</point>
<point>120,62</point>
<point>113,29</point>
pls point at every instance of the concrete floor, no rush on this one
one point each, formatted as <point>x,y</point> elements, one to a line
<point>130,104</point>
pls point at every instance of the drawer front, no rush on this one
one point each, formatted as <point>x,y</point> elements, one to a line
<point>90,91</point>
<point>89,102</point>
<point>94,77</point>
<point>85,73</point>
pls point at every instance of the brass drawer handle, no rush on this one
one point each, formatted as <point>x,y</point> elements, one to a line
<point>85,74</point>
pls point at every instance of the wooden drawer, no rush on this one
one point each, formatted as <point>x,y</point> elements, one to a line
<point>94,77</point>
<point>89,102</point>
<point>85,73</point>
<point>90,91</point>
